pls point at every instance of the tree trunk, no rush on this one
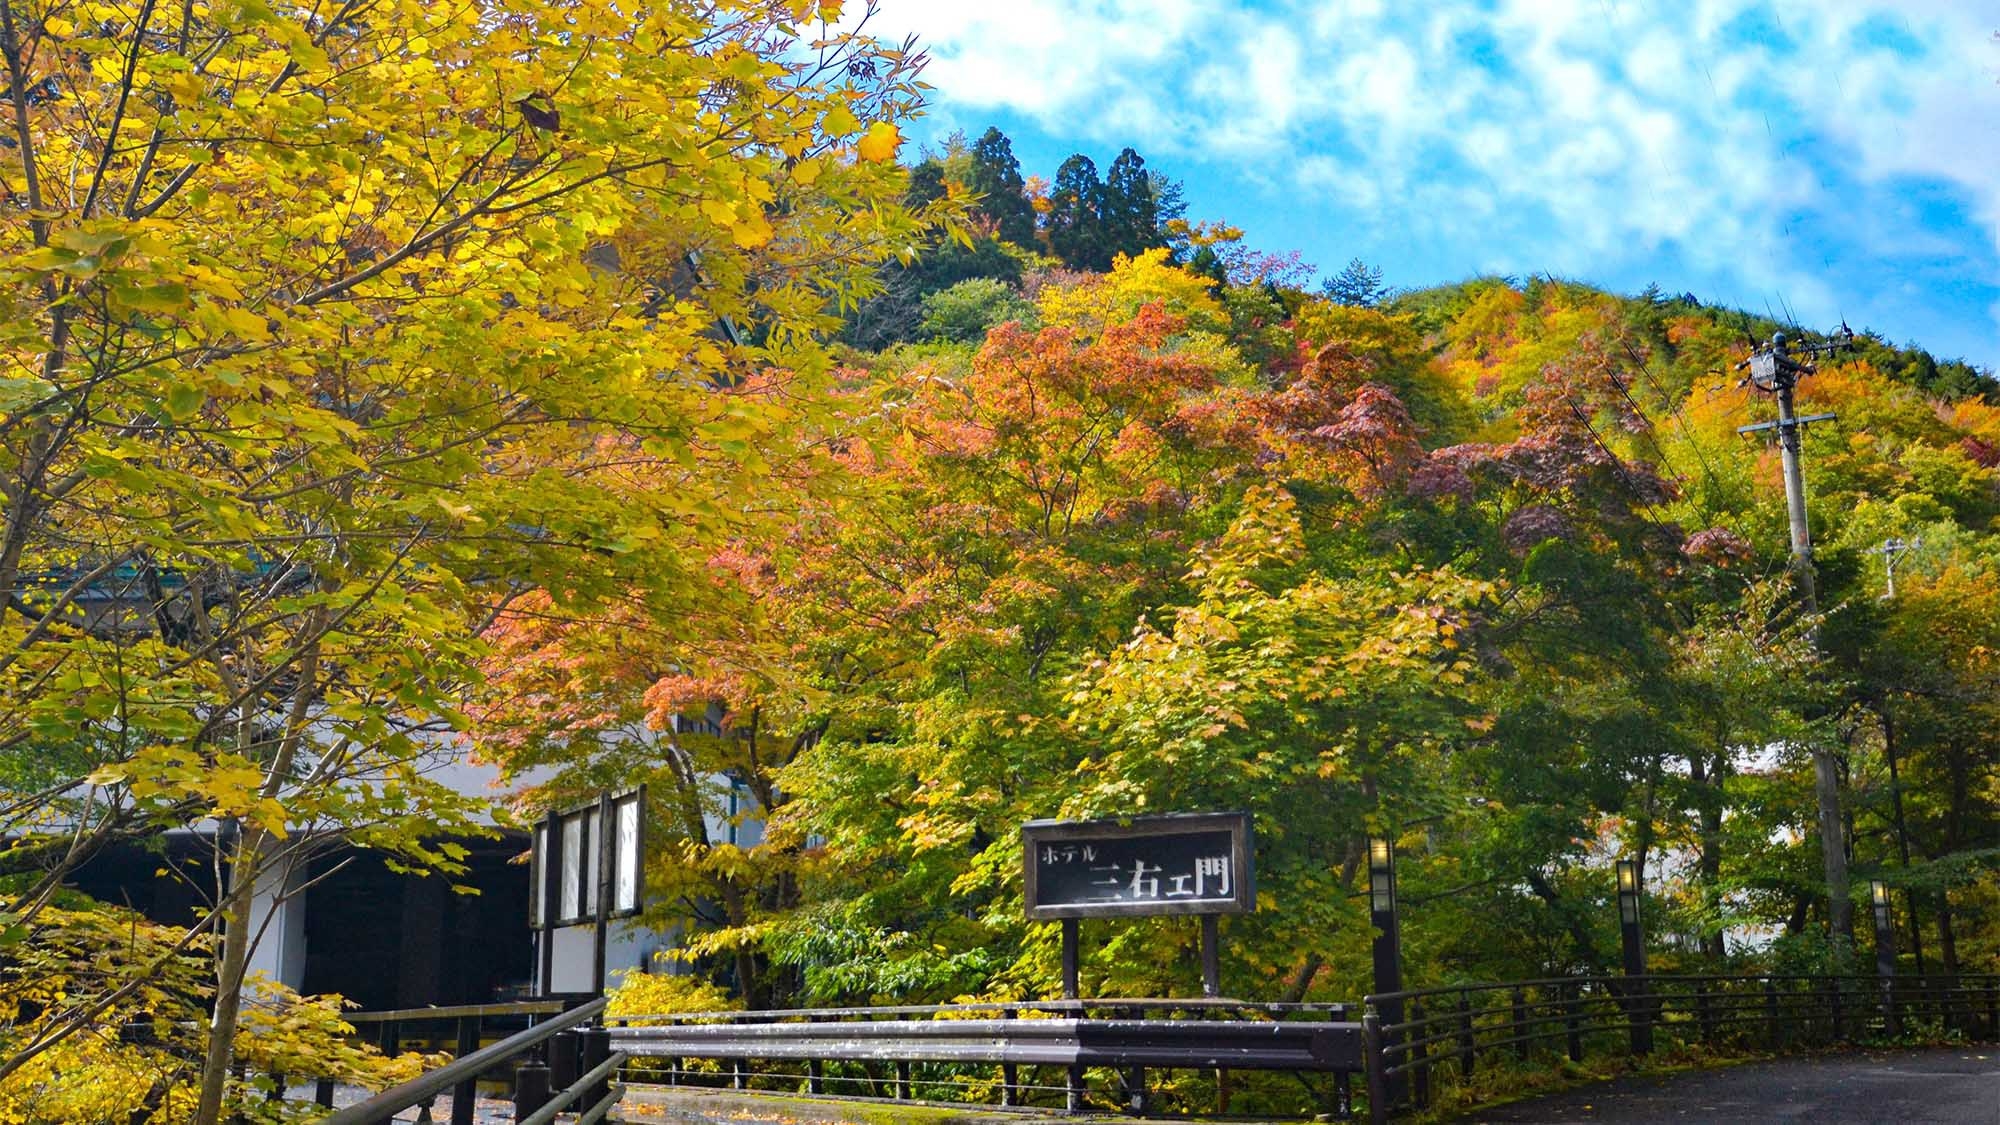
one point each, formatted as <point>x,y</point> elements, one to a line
<point>1902,829</point>
<point>1710,794</point>
<point>1801,907</point>
<point>229,972</point>
<point>1947,939</point>
<point>1579,935</point>
<point>736,910</point>
<point>1960,772</point>
<point>1833,845</point>
<point>1301,980</point>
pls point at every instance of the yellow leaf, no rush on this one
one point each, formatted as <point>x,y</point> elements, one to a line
<point>806,171</point>
<point>841,122</point>
<point>880,143</point>
<point>752,232</point>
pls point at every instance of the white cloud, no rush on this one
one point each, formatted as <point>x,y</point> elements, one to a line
<point>1636,124</point>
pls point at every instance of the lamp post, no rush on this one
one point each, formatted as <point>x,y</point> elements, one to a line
<point>1630,929</point>
<point>1388,949</point>
<point>1885,952</point>
<point>1632,937</point>
<point>1382,915</point>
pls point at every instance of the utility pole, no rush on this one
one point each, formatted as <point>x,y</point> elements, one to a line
<point>1776,369</point>
<point>1891,551</point>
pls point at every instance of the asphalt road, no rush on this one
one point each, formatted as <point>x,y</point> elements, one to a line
<point>1958,1086</point>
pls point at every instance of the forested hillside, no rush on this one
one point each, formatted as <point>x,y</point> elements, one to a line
<point>1111,515</point>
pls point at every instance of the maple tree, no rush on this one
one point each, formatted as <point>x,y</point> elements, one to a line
<point>331,329</point>
<point>1482,570</point>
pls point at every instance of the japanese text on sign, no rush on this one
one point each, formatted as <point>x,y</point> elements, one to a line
<point>1195,864</point>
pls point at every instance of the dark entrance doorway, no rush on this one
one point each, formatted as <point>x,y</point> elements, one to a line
<point>387,940</point>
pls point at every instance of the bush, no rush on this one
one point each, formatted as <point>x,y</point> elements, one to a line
<point>139,1063</point>
<point>965,312</point>
<point>650,994</point>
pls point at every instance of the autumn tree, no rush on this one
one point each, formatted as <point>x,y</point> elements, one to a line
<point>330,333</point>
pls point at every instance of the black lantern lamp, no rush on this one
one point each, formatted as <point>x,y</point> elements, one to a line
<point>1388,946</point>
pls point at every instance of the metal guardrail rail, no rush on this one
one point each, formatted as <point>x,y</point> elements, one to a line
<point>1409,1046</point>
<point>465,1070</point>
<point>1175,1044</point>
<point>1072,1036</point>
<point>1417,1041</point>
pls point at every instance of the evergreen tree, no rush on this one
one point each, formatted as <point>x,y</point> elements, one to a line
<point>1360,284</point>
<point>1076,216</point>
<point>926,183</point>
<point>996,177</point>
<point>1205,262</point>
<point>1169,200</point>
<point>1131,212</point>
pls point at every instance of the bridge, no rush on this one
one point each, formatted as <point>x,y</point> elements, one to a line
<point>1390,1055</point>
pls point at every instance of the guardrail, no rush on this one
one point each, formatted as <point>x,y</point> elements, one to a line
<point>974,1051</point>
<point>1408,1046</point>
<point>1414,1041</point>
<point>533,1102</point>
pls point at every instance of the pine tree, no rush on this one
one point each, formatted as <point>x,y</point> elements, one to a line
<point>1131,213</point>
<point>1076,216</point>
<point>1360,284</point>
<point>996,177</point>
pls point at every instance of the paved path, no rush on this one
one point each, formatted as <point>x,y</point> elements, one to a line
<point>1958,1086</point>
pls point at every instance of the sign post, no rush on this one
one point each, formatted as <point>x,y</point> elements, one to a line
<point>587,869</point>
<point>1180,863</point>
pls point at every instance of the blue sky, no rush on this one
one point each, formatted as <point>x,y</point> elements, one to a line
<point>1834,158</point>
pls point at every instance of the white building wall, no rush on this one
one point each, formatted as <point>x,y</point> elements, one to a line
<point>278,925</point>
<point>279,934</point>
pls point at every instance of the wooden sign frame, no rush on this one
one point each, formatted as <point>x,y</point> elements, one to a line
<point>1088,837</point>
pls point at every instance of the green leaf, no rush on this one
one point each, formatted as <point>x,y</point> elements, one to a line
<point>183,400</point>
